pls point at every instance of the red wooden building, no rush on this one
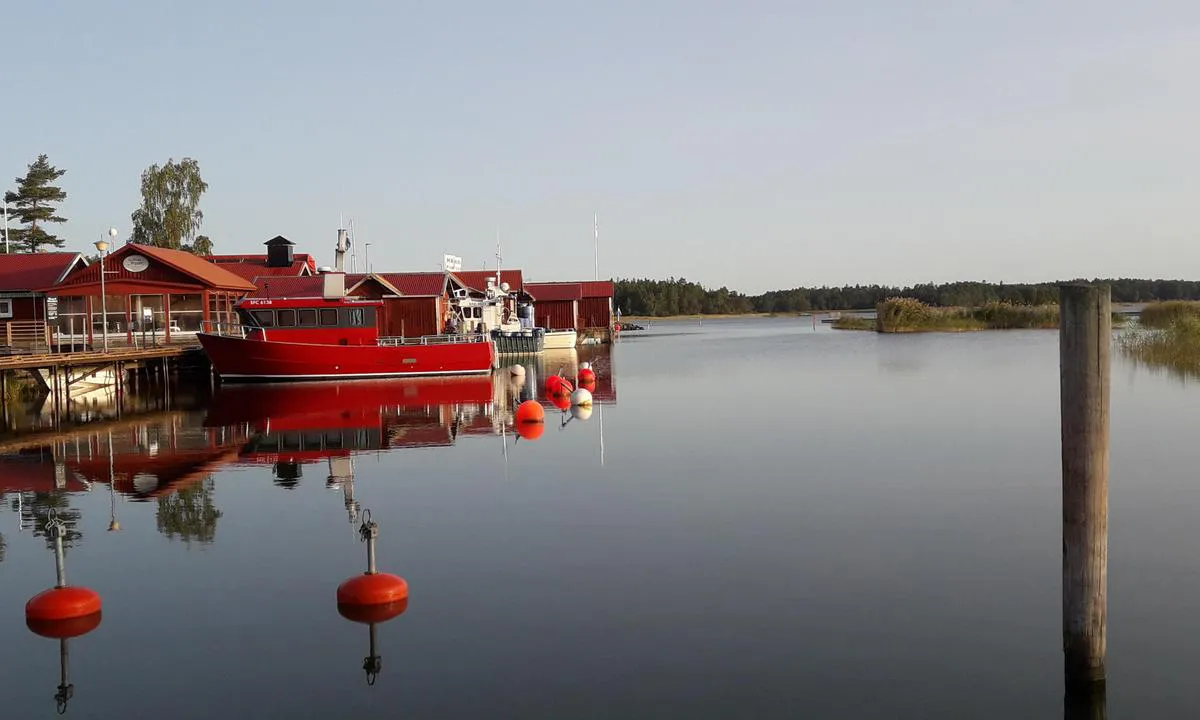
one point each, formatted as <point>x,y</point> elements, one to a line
<point>25,307</point>
<point>149,289</point>
<point>594,302</point>
<point>555,305</point>
<point>414,304</point>
<point>280,261</point>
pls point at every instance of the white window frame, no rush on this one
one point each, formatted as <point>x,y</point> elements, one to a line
<point>6,308</point>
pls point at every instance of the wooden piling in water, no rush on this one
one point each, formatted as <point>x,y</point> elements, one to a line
<point>1085,339</point>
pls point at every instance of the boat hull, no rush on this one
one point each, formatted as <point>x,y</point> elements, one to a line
<point>560,339</point>
<point>238,359</point>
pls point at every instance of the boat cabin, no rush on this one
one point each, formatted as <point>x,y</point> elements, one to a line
<point>317,321</point>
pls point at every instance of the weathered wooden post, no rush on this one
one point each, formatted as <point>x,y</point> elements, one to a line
<point>1085,339</point>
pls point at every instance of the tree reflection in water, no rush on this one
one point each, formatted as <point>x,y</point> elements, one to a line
<point>35,508</point>
<point>189,513</point>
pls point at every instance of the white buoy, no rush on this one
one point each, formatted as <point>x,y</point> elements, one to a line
<point>581,397</point>
<point>581,412</point>
<point>585,366</point>
<point>517,370</point>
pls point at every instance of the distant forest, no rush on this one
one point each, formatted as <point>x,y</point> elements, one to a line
<point>680,297</point>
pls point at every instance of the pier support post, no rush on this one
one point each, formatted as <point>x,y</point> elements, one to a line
<point>1085,339</point>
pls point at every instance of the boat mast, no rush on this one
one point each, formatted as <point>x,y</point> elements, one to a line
<point>596,241</point>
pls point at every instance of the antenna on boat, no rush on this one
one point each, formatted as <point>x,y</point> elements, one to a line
<point>343,241</point>
<point>499,259</point>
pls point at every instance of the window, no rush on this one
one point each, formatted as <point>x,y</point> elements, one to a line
<point>265,318</point>
<point>307,318</point>
<point>287,318</point>
<point>356,317</point>
<point>5,308</point>
<point>329,317</point>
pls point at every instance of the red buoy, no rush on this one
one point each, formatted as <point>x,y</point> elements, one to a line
<point>64,629</point>
<point>373,614</point>
<point>63,603</point>
<point>586,375</point>
<point>562,401</point>
<point>553,383</point>
<point>530,411</point>
<point>373,589</point>
<point>531,430</point>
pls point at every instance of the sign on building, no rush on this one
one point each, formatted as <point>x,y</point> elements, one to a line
<point>451,263</point>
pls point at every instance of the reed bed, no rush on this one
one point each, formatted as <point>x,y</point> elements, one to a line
<point>900,315</point>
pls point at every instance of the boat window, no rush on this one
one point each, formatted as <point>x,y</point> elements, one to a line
<point>307,317</point>
<point>287,318</point>
<point>356,317</point>
<point>329,316</point>
<point>265,318</point>
<point>478,312</point>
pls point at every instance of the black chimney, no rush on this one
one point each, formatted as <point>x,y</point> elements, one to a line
<point>279,251</point>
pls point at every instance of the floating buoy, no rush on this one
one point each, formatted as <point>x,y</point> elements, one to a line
<point>530,412</point>
<point>372,587</point>
<point>62,602</point>
<point>554,384</point>
<point>64,629</point>
<point>589,386</point>
<point>586,375</point>
<point>581,412</point>
<point>581,397</point>
<point>531,430</point>
<point>517,370</point>
<point>373,614</point>
<point>585,366</point>
<point>562,401</point>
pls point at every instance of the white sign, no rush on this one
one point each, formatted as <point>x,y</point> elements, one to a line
<point>451,263</point>
<point>51,308</point>
<point>135,263</point>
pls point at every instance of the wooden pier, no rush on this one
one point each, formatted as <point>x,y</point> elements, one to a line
<point>57,372</point>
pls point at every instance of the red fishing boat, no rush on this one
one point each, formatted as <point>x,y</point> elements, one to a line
<point>332,337</point>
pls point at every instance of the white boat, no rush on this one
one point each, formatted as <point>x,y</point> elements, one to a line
<point>560,339</point>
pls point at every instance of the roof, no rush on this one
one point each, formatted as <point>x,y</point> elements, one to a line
<point>551,292</point>
<point>193,265</point>
<point>289,286</point>
<point>251,270</point>
<point>597,288</point>
<point>210,274</point>
<point>259,260</point>
<point>477,279</point>
<point>278,240</point>
<point>413,284</point>
<point>36,271</point>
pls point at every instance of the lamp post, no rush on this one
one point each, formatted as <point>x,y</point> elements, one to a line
<point>102,246</point>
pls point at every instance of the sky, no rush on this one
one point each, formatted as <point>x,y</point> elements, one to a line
<point>755,144</point>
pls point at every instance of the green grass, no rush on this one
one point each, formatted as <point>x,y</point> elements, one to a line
<point>853,322</point>
<point>1161,315</point>
<point>900,315</point>
<point>1175,347</point>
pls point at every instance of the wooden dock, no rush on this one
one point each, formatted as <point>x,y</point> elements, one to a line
<point>92,358</point>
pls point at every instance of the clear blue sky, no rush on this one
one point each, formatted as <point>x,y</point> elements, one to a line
<point>757,145</point>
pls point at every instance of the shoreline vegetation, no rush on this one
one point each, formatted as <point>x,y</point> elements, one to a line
<point>1167,337</point>
<point>679,298</point>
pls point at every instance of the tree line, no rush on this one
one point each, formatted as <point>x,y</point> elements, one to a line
<point>168,217</point>
<point>678,296</point>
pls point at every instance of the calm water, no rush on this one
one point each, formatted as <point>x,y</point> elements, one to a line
<point>760,520</point>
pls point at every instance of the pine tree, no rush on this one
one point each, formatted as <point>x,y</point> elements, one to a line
<point>34,205</point>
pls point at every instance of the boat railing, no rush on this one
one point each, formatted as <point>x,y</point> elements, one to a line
<point>434,340</point>
<point>227,329</point>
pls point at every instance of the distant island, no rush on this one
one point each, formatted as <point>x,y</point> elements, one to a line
<point>662,298</point>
